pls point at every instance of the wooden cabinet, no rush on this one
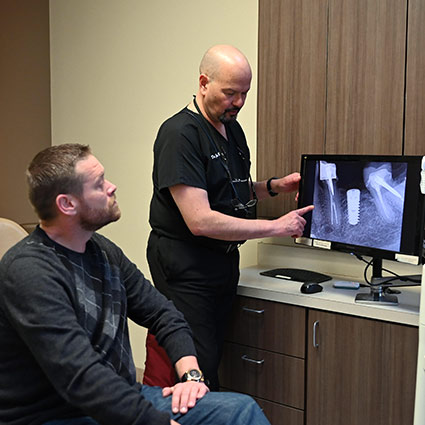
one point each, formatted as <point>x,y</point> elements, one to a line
<point>312,367</point>
<point>337,76</point>
<point>291,89</point>
<point>365,77</point>
<point>264,357</point>
<point>359,371</point>
<point>415,80</point>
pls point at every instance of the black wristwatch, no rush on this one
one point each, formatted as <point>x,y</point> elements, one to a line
<point>269,186</point>
<point>194,375</point>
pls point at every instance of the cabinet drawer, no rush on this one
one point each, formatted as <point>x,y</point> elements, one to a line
<point>278,414</point>
<point>268,325</point>
<point>263,374</point>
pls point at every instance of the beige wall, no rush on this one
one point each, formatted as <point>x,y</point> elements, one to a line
<point>118,69</point>
<point>24,99</point>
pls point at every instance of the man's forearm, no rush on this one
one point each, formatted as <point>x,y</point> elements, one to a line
<point>186,363</point>
<point>201,220</point>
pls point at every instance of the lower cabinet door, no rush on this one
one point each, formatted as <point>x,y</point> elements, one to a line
<point>360,371</point>
<point>270,376</point>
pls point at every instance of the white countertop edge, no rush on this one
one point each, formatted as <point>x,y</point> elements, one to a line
<point>252,284</point>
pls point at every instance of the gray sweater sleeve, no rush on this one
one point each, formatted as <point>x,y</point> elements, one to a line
<point>44,339</point>
<point>150,309</point>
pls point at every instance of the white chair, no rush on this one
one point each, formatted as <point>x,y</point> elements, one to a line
<point>10,233</point>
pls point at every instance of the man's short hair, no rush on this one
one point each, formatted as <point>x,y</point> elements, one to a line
<point>52,172</point>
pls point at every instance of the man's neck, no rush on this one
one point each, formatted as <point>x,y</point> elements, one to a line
<point>218,125</point>
<point>71,237</point>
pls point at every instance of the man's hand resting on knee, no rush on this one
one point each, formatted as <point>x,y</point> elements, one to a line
<point>185,395</point>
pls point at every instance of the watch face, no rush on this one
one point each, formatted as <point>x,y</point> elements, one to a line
<point>194,374</point>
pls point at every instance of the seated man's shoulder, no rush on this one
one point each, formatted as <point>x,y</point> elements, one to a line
<point>27,247</point>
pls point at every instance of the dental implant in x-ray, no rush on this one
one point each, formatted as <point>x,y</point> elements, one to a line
<point>328,175</point>
<point>379,182</point>
<point>353,206</point>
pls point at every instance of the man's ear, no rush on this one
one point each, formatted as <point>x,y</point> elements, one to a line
<point>203,81</point>
<point>67,204</point>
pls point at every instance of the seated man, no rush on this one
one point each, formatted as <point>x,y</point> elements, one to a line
<point>65,295</point>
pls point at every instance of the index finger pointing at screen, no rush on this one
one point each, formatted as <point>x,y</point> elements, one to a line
<point>304,210</point>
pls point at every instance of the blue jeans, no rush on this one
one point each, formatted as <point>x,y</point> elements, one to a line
<point>215,408</point>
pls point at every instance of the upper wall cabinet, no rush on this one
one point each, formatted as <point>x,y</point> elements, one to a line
<point>415,80</point>
<point>365,78</point>
<point>291,89</point>
<point>337,76</point>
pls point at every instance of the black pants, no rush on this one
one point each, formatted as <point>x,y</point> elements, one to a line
<point>202,284</point>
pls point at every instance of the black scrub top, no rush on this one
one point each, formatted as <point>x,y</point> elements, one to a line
<point>189,150</point>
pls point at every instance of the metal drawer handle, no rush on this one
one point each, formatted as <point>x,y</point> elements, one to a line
<point>251,310</point>
<point>315,326</point>
<point>247,359</point>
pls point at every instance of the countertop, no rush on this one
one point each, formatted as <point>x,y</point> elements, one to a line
<point>252,284</point>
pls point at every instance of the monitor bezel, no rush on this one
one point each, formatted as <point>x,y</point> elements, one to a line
<point>414,256</point>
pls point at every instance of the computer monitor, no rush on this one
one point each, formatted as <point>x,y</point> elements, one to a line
<point>366,205</point>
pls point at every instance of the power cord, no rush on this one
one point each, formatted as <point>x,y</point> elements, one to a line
<point>389,279</point>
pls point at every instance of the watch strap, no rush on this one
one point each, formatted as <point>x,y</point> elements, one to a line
<point>269,186</point>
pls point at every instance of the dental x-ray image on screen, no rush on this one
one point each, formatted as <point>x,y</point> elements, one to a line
<point>365,205</point>
<point>362,205</point>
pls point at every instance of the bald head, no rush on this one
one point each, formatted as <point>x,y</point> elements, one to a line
<point>221,58</point>
<point>224,82</point>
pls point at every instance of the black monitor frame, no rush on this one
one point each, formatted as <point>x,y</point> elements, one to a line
<point>412,229</point>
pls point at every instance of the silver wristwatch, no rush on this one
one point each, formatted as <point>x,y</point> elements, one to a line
<point>194,375</point>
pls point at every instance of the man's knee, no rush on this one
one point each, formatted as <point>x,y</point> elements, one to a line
<point>234,403</point>
<point>244,402</point>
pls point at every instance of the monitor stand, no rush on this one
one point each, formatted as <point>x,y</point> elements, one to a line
<point>377,294</point>
<point>380,289</point>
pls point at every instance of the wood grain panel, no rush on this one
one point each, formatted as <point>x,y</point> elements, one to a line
<point>291,90</point>
<point>362,373</point>
<point>277,378</point>
<point>278,414</point>
<point>415,84</point>
<point>268,325</point>
<point>366,76</point>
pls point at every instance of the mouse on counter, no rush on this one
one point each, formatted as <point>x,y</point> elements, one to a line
<point>311,288</point>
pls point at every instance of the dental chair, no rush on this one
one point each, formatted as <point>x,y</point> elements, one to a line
<point>10,233</point>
